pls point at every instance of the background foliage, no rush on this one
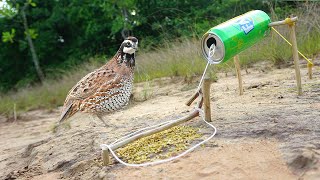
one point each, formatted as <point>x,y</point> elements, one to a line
<point>73,37</point>
<point>66,33</point>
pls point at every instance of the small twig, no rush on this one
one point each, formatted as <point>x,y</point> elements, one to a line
<point>193,97</point>
<point>14,112</point>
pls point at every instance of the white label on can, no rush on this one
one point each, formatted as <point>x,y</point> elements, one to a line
<point>246,24</point>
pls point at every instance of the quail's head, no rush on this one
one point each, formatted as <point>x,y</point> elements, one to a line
<point>129,45</point>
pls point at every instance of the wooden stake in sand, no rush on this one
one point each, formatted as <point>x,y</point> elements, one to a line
<point>310,70</point>
<point>295,54</point>
<point>206,99</point>
<point>238,72</point>
<point>105,157</point>
<point>15,112</point>
<point>291,23</point>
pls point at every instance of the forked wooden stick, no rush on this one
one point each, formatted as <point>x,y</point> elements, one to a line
<point>278,23</point>
<point>193,97</point>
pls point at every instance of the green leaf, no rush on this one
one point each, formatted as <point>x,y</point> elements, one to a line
<point>33,4</point>
<point>32,33</point>
<point>8,36</point>
<point>8,12</point>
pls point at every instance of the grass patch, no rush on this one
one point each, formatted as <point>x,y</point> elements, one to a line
<point>177,59</point>
<point>182,58</point>
<point>47,96</point>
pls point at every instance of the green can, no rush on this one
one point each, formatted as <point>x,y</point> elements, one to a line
<point>226,40</point>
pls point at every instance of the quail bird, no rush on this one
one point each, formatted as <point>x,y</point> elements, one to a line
<point>106,89</point>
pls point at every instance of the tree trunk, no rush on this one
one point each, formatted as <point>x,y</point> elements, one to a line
<point>30,42</point>
<point>125,32</point>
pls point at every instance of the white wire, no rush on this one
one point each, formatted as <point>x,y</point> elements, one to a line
<point>203,75</point>
<point>106,146</point>
<point>158,125</point>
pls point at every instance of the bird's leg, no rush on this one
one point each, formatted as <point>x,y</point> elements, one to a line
<point>105,124</point>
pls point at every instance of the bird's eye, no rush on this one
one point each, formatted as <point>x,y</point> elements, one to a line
<point>128,43</point>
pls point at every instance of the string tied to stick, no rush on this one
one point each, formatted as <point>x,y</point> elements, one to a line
<point>289,22</point>
<point>309,60</point>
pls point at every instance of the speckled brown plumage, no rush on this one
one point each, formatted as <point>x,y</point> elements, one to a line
<point>106,89</point>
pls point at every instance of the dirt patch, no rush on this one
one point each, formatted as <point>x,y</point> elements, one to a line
<point>268,132</point>
<point>249,159</point>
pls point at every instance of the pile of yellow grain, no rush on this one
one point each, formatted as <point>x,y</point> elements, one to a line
<point>160,145</point>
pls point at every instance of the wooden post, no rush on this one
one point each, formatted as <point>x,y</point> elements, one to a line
<point>206,99</point>
<point>310,70</point>
<point>238,72</point>
<point>295,56</point>
<point>14,112</point>
<point>105,157</point>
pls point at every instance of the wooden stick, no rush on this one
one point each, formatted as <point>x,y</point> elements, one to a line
<point>194,97</point>
<point>310,70</point>
<point>14,112</point>
<point>200,103</point>
<point>277,23</point>
<point>295,57</point>
<point>122,143</point>
<point>105,157</point>
<point>238,72</point>
<point>206,99</point>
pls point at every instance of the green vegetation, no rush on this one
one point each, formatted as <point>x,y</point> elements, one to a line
<point>48,95</point>
<point>65,33</point>
<point>87,35</point>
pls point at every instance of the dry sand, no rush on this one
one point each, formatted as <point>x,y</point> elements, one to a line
<point>268,133</point>
<point>254,159</point>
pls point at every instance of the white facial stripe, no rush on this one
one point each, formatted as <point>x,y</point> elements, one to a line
<point>128,50</point>
<point>126,41</point>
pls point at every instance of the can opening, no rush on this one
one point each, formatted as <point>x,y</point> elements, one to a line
<point>211,41</point>
<point>212,48</point>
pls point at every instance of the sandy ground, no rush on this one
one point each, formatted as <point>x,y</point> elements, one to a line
<point>238,160</point>
<point>268,133</point>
